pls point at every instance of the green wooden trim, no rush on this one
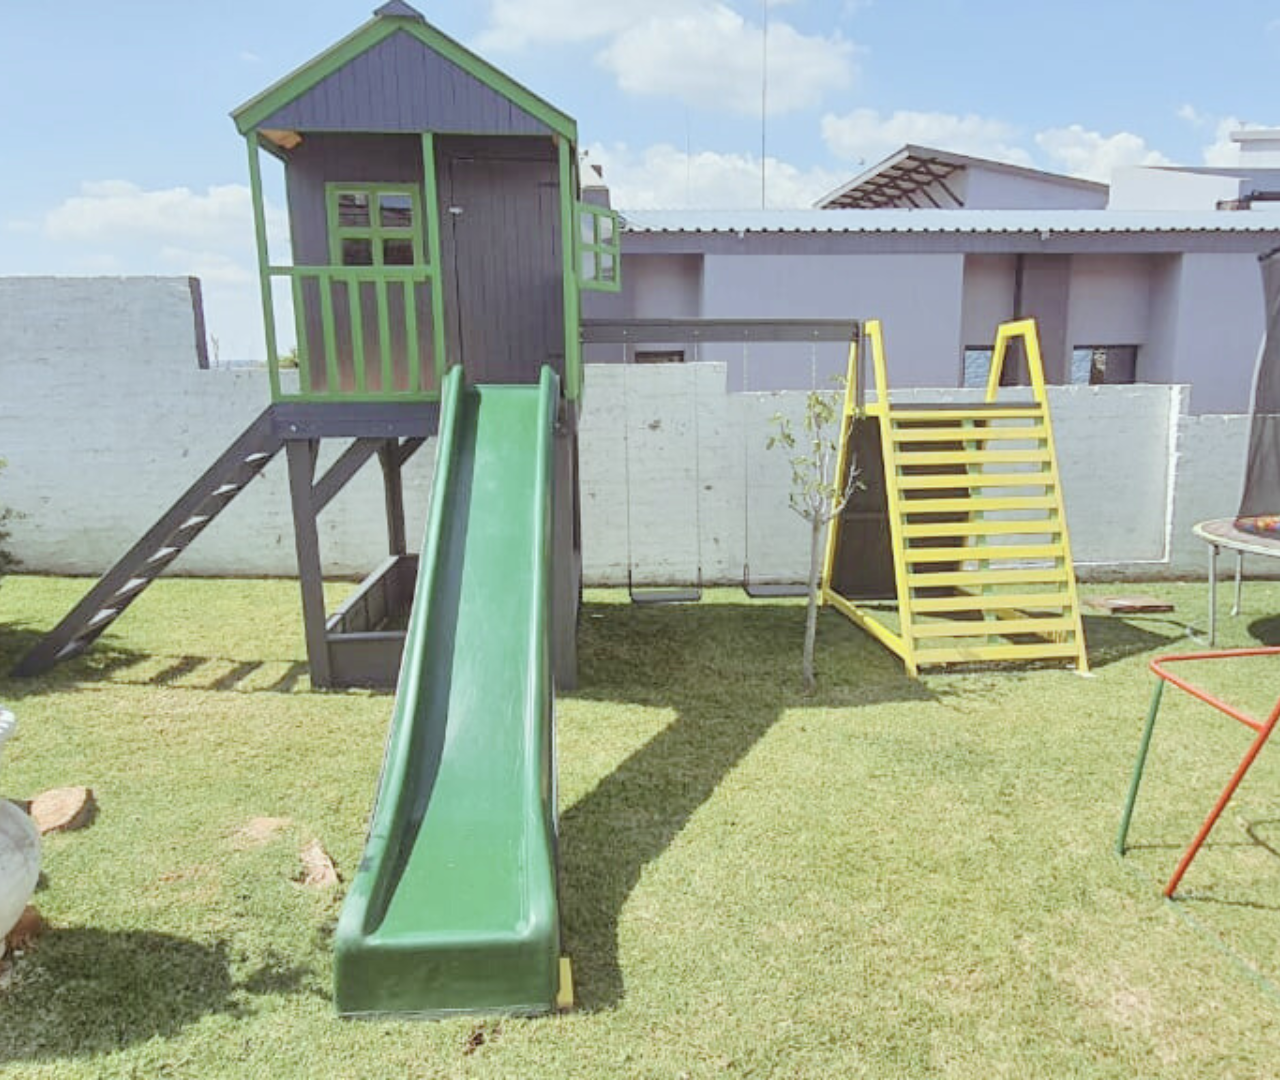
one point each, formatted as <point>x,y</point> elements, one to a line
<point>432,199</point>
<point>568,254</point>
<point>332,380</point>
<point>384,333</point>
<point>420,272</point>
<point>257,109</point>
<point>375,232</point>
<point>322,398</point>
<point>299,322</point>
<point>413,350</point>
<point>355,312</point>
<point>264,267</point>
<point>600,247</point>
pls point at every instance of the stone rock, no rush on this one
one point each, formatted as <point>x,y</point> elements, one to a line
<point>30,925</point>
<point>318,871</point>
<point>63,809</point>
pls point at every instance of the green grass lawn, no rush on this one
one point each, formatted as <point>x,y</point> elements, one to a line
<point>890,878</point>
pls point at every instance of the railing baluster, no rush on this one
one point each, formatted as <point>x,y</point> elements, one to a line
<point>333,385</point>
<point>355,306</point>
<point>300,329</point>
<point>384,333</point>
<point>411,334</point>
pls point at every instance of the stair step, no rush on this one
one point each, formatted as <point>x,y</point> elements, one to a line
<point>983,554</point>
<point>977,504</point>
<point>1046,650</point>
<point>1049,526</point>
<point>959,412</point>
<point>101,618</point>
<point>195,521</point>
<point>1038,456</point>
<point>132,586</point>
<point>1020,433</point>
<point>1026,601</point>
<point>1001,627</point>
<point>164,555</point>
<point>225,490</point>
<point>257,460</point>
<point>71,648</point>
<point>935,481</point>
<point>969,578</point>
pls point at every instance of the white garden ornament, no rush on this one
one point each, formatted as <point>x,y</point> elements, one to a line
<point>19,850</point>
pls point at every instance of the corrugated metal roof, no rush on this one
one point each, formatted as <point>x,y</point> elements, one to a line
<point>947,221</point>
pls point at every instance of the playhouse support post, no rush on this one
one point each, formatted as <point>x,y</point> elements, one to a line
<point>302,454</point>
<point>393,492</point>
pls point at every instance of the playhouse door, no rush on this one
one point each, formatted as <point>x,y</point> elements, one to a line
<point>502,217</point>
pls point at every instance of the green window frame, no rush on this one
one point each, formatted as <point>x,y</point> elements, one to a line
<point>368,225</point>
<point>599,249</point>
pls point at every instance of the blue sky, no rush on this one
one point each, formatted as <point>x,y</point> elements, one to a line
<point>119,157</point>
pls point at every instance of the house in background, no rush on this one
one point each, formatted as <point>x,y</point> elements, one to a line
<point>1152,279</point>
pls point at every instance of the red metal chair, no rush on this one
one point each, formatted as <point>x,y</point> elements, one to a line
<point>1262,732</point>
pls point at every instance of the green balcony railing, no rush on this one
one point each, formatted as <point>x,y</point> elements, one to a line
<point>364,333</point>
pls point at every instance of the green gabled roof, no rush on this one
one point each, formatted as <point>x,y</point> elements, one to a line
<point>389,19</point>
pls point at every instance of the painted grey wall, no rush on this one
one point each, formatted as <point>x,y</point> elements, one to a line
<point>990,282</point>
<point>1046,297</point>
<point>401,85</point>
<point>1110,300</point>
<point>916,297</point>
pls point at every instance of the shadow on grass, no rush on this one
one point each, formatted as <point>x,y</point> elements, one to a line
<point>1111,638</point>
<point>84,991</point>
<point>1266,631</point>
<point>719,669</point>
<point>105,661</point>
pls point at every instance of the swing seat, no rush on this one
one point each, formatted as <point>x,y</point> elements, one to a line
<point>1261,728</point>
<point>675,595</point>
<point>763,590</point>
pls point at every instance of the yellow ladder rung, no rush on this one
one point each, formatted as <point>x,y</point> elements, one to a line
<point>990,601</point>
<point>973,653</point>
<point>991,627</point>
<point>978,504</point>
<point>1050,526</point>
<point>934,482</point>
<point>983,554</point>
<point>898,415</point>
<point>1034,433</point>
<point>1037,456</point>
<point>967,578</point>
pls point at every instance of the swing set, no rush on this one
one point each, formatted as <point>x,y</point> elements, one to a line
<point>634,334</point>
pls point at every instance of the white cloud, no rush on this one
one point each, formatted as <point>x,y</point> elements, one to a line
<point>865,135</point>
<point>517,24</point>
<point>710,55</point>
<point>701,52</point>
<point>1193,116</point>
<point>663,177</point>
<point>1094,156</point>
<point>118,227</point>
<point>1222,151</point>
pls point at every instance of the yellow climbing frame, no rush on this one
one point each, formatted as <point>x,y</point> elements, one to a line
<point>981,557</point>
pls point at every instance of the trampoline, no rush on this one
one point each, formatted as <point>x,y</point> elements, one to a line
<point>1255,530</point>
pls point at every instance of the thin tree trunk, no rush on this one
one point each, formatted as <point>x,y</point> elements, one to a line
<point>811,616</point>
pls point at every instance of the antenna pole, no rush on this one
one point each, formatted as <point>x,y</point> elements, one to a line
<point>764,96</point>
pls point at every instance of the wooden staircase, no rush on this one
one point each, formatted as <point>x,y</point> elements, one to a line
<point>981,556</point>
<point>163,542</point>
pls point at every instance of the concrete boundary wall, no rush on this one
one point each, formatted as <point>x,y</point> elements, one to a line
<point>106,417</point>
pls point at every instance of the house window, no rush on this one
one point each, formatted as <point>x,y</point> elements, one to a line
<point>374,224</point>
<point>1094,365</point>
<point>668,356</point>
<point>599,249</point>
<point>977,368</point>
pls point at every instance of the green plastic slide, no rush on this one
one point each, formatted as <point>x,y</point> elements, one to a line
<point>453,907</point>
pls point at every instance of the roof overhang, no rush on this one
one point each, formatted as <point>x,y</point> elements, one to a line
<point>924,178</point>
